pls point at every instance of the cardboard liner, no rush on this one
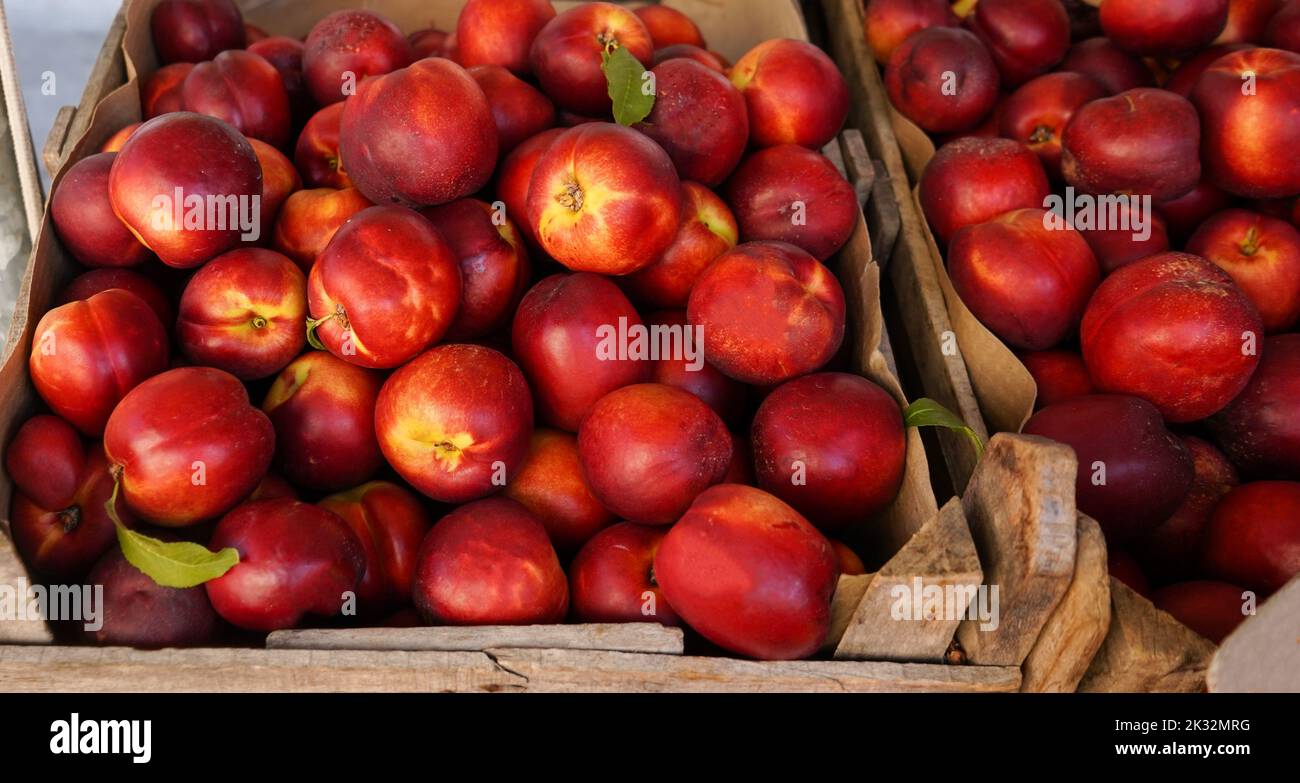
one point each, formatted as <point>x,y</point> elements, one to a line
<point>1003,385</point>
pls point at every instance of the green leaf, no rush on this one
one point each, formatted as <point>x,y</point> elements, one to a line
<point>174,563</point>
<point>627,85</point>
<point>925,412</point>
<point>169,563</point>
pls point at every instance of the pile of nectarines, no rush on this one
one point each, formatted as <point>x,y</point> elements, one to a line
<point>408,323</point>
<point>1117,192</point>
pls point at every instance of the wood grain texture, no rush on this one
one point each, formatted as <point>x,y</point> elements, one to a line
<point>1146,650</point>
<point>235,670</point>
<point>1021,512</point>
<point>848,594</point>
<point>566,671</point>
<point>1074,632</point>
<point>117,669</point>
<point>1263,654</point>
<point>620,637</point>
<point>942,554</point>
<point>13,575</point>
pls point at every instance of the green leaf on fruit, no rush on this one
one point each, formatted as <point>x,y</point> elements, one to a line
<point>174,563</point>
<point>925,412</point>
<point>626,78</point>
<point>168,563</point>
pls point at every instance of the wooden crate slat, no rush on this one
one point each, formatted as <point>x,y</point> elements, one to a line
<point>244,670</point>
<point>13,577</point>
<point>1020,508</point>
<point>844,604</point>
<point>1263,654</point>
<point>1075,631</point>
<point>1146,650</point>
<point>105,669</point>
<point>568,670</point>
<point>615,637</point>
<point>941,554</point>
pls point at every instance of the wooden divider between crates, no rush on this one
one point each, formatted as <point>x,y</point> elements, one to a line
<point>916,286</point>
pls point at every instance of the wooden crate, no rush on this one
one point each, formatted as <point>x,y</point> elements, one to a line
<point>1141,648</point>
<point>1015,528</point>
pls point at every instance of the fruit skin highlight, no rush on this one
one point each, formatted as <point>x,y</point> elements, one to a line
<point>295,559</point>
<point>1029,284</point>
<point>846,435</point>
<point>794,93</point>
<point>87,355</point>
<point>648,450</point>
<point>188,446</point>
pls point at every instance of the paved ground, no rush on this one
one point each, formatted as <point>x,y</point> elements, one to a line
<point>56,42</point>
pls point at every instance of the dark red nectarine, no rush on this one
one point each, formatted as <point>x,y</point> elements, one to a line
<point>648,450</point>
<point>490,563</point>
<point>832,445</point>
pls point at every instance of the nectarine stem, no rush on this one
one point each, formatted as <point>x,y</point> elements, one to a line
<point>1250,245</point>
<point>312,324</point>
<point>110,507</point>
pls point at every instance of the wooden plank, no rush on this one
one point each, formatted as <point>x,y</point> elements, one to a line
<point>1146,650</point>
<point>1263,654</point>
<point>925,324</point>
<point>118,669</point>
<point>582,671</point>
<point>857,163</point>
<point>208,670</point>
<point>619,637</point>
<point>14,577</point>
<point>848,594</point>
<point>1021,512</point>
<point>18,161</point>
<point>52,152</point>
<point>941,555</point>
<point>871,182</point>
<point>1075,631</point>
<point>882,215</point>
<point>832,152</point>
